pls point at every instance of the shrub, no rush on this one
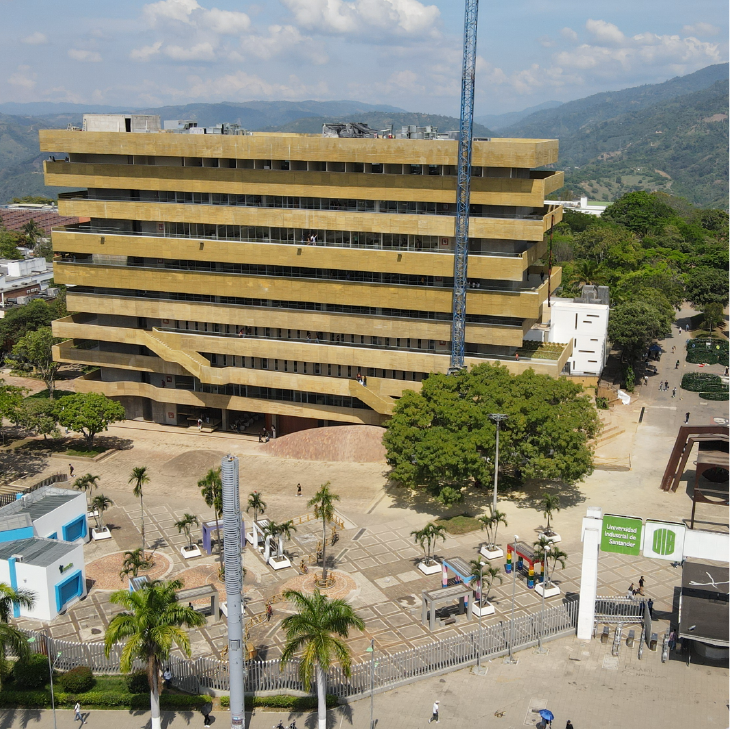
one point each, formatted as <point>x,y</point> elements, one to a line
<point>715,396</point>
<point>283,702</point>
<point>602,403</point>
<point>703,383</point>
<point>31,673</point>
<point>104,699</point>
<point>77,680</point>
<point>709,350</point>
<point>137,682</point>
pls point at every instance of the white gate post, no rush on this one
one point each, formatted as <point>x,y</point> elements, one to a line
<point>591,537</point>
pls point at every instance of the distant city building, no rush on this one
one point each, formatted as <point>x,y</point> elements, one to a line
<point>580,206</point>
<point>15,216</point>
<point>24,279</point>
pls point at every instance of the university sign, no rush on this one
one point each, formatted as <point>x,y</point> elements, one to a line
<point>621,535</point>
<point>664,540</point>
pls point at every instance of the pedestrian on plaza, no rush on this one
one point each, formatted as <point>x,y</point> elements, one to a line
<point>200,424</point>
<point>674,347</point>
<point>167,677</point>
<point>666,385</point>
<point>672,640</point>
<point>674,392</point>
<point>641,586</point>
<point>686,417</point>
<point>569,725</point>
<point>630,593</point>
<point>435,712</point>
<point>77,713</point>
<point>650,604</point>
<point>646,380</point>
<point>71,469</point>
<point>273,430</point>
<point>269,611</point>
<point>676,366</point>
<point>299,490</point>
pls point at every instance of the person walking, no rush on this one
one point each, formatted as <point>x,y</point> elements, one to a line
<point>666,385</point>
<point>569,725</point>
<point>686,328</point>
<point>686,417</point>
<point>269,611</point>
<point>71,470</point>
<point>650,605</point>
<point>674,392</point>
<point>77,713</point>
<point>641,586</point>
<point>167,676</point>
<point>672,640</point>
<point>630,593</point>
<point>435,712</point>
<point>200,423</point>
<point>273,430</point>
<point>299,490</point>
<point>676,366</point>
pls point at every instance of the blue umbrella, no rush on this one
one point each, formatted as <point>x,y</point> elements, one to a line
<point>546,715</point>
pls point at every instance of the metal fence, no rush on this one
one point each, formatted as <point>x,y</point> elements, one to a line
<point>392,669</point>
<point>619,610</point>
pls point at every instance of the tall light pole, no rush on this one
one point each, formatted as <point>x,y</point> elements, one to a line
<point>540,650</point>
<point>481,601</point>
<point>497,418</point>
<point>511,659</point>
<point>51,667</point>
<point>371,649</point>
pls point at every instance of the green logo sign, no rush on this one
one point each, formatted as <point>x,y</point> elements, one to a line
<point>621,535</point>
<point>663,541</point>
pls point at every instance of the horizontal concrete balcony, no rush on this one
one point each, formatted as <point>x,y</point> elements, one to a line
<point>432,263</point>
<point>496,152</point>
<point>369,325</point>
<point>522,303</point>
<point>530,191</point>
<point>92,383</point>
<point>522,228</point>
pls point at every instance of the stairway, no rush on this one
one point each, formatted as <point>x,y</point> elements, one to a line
<point>375,401</point>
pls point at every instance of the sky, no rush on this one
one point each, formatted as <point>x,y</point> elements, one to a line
<point>405,53</point>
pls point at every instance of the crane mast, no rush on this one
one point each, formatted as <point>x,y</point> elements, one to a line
<point>463,182</point>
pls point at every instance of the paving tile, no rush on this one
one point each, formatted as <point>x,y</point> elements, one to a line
<point>409,575</point>
<point>367,563</point>
<point>386,609</point>
<point>375,625</point>
<point>388,558</point>
<point>386,582</point>
<point>378,549</point>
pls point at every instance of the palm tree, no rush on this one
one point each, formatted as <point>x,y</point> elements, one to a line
<point>282,531</point>
<point>256,504</point>
<point>151,624</point>
<point>185,524</point>
<point>485,575</point>
<point>427,537</point>
<point>317,629</point>
<point>324,509</point>
<point>87,483</point>
<point>211,487</point>
<point>550,503</point>
<point>542,547</point>
<point>100,504</point>
<point>134,561</point>
<point>490,523</point>
<point>139,478</point>
<point>11,638</point>
<point>556,555</point>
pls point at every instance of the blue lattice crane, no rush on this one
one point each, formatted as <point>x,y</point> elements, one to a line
<point>463,182</point>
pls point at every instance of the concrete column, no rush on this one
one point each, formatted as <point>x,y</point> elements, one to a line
<point>591,537</point>
<point>224,419</point>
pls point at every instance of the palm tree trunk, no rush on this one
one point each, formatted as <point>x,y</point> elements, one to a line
<point>324,553</point>
<point>255,534</point>
<point>141,506</point>
<point>156,723</point>
<point>321,698</point>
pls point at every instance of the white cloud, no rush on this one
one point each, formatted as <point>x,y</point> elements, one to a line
<point>284,40</point>
<point>23,77</point>
<point>36,39</point>
<point>166,10</point>
<point>146,52</point>
<point>199,52</point>
<point>569,33</point>
<point>190,12</point>
<point>360,17</point>
<point>84,56</point>
<point>226,22</point>
<point>605,32</point>
<point>700,29</point>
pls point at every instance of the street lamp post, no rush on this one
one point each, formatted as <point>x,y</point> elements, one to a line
<point>51,667</point>
<point>371,649</point>
<point>540,650</point>
<point>497,418</point>
<point>511,659</point>
<point>481,601</point>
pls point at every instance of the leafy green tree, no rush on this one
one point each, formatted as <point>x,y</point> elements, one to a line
<point>639,211</point>
<point>37,415</point>
<point>11,402</point>
<point>100,504</point>
<point>11,638</point>
<point>134,561</point>
<point>32,232</point>
<point>138,478</point>
<point>317,630</point>
<point>707,286</point>
<point>323,503</point>
<point>635,325</point>
<point>87,483</point>
<point>9,242</point>
<point>89,413</point>
<point>437,437</point>
<point>36,348</point>
<point>713,316</point>
<point>152,623</point>
<point>211,488</point>
<point>427,537</point>
<point>185,525</point>
<point>21,320</point>
<point>36,199</point>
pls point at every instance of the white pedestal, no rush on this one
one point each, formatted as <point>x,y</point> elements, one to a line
<point>429,568</point>
<point>487,609</point>
<point>191,551</point>
<point>279,563</point>
<point>552,537</point>
<point>549,592</point>
<point>492,554</point>
<point>102,534</point>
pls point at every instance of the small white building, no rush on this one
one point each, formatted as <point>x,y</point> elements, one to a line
<point>579,206</point>
<point>52,569</point>
<point>48,512</point>
<point>21,280</point>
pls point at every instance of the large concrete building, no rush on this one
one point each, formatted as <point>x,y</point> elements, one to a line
<point>236,276</point>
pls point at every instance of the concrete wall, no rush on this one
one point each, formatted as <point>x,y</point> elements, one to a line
<point>586,325</point>
<point>54,521</point>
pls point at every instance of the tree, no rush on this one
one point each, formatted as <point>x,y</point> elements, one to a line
<point>11,402</point>
<point>639,211</point>
<point>211,487</point>
<point>707,286</point>
<point>21,320</point>
<point>100,504</point>
<point>427,538</point>
<point>713,316</point>
<point>324,509</point>
<point>89,413</point>
<point>485,575</point>
<point>550,503</point>
<point>185,524</point>
<point>139,477</point>
<point>280,531</point>
<point>317,629</point>
<point>634,325</point>
<point>134,561</point>
<point>36,348</point>
<point>32,233</point>
<point>87,483</point>
<point>37,415</point>
<point>152,623</point>
<point>9,242</point>
<point>11,638</point>
<point>490,523</point>
<point>437,437</point>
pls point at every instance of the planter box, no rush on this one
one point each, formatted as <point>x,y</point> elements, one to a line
<point>279,563</point>
<point>429,568</point>
<point>549,591</point>
<point>486,609</point>
<point>552,537</point>
<point>190,551</point>
<point>492,554</point>
<point>102,534</point>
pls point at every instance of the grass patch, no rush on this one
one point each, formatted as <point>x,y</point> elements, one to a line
<point>69,447</point>
<point>459,524</point>
<point>86,451</point>
<point>43,394</point>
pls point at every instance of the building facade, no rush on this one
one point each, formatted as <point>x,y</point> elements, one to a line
<point>235,277</point>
